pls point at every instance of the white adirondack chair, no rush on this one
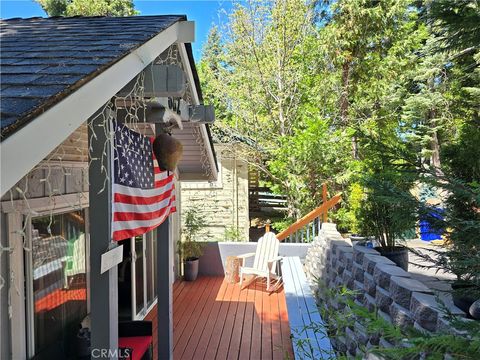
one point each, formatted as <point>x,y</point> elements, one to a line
<point>265,261</point>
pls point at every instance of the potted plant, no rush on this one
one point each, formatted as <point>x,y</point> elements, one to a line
<point>189,249</point>
<point>388,209</point>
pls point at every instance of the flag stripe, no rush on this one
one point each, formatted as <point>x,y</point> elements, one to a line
<point>125,234</point>
<point>141,216</point>
<point>141,200</point>
<point>133,224</point>
<point>121,207</point>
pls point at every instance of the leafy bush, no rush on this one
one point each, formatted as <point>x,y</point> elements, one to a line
<point>388,209</point>
<point>232,233</point>
<point>347,217</point>
<point>194,223</point>
<point>283,224</point>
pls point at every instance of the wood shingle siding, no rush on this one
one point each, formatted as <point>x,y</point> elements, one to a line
<point>63,171</point>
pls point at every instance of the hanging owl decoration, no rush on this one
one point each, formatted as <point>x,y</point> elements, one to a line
<point>168,151</point>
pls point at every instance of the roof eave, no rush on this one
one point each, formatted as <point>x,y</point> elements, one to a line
<point>193,79</point>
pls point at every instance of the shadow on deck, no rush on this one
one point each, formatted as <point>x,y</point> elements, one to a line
<point>215,320</point>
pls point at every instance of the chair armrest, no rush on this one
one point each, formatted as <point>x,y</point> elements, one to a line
<point>273,261</point>
<point>244,256</point>
<point>276,258</point>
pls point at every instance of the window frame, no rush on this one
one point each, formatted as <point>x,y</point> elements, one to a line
<point>147,307</point>
<point>28,274</point>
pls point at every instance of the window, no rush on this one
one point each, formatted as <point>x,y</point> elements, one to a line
<point>57,281</point>
<point>137,275</point>
<point>151,257</point>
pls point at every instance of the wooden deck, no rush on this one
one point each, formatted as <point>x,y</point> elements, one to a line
<point>215,320</point>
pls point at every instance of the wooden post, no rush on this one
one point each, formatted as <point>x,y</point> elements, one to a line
<point>103,287</point>
<point>164,286</point>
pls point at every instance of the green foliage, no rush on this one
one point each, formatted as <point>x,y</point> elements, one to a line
<point>193,225</point>
<point>232,233</point>
<point>455,23</point>
<point>373,97</point>
<point>88,7</point>
<point>306,159</point>
<point>282,224</point>
<point>347,217</point>
<point>54,7</point>
<point>459,218</point>
<point>255,73</point>
<point>388,208</point>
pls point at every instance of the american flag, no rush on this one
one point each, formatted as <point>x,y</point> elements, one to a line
<point>143,195</point>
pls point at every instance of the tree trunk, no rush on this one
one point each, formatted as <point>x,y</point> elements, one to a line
<point>345,104</point>
<point>435,151</point>
<point>435,144</point>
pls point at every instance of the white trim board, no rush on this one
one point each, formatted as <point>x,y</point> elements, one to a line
<point>23,150</point>
<point>16,291</point>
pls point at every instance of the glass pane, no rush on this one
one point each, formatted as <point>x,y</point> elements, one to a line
<point>139,298</point>
<point>125,283</point>
<point>149,257</point>
<point>155,274</point>
<point>59,283</point>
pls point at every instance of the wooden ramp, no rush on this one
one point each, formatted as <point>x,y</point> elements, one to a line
<point>215,320</point>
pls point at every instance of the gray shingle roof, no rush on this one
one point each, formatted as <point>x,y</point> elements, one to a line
<point>45,59</point>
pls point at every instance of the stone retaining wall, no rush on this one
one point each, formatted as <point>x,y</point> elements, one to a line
<point>382,287</point>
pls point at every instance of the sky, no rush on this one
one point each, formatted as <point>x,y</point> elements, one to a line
<point>205,13</point>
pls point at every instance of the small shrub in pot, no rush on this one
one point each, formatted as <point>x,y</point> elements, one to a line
<point>388,209</point>
<point>189,249</point>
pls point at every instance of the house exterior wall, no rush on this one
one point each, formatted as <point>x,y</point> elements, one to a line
<point>44,182</point>
<point>224,203</point>
<point>39,184</point>
<point>42,188</point>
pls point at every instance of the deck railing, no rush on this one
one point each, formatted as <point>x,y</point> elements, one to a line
<point>305,229</point>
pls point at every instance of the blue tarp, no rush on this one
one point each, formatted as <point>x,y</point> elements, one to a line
<point>427,233</point>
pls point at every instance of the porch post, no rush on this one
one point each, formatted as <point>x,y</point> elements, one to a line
<point>164,286</point>
<point>103,287</point>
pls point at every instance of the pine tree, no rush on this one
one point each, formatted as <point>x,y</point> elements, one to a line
<point>88,7</point>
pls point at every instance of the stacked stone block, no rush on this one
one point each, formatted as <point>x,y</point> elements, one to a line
<point>381,286</point>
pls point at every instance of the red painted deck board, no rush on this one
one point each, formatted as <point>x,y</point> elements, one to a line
<point>217,320</point>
